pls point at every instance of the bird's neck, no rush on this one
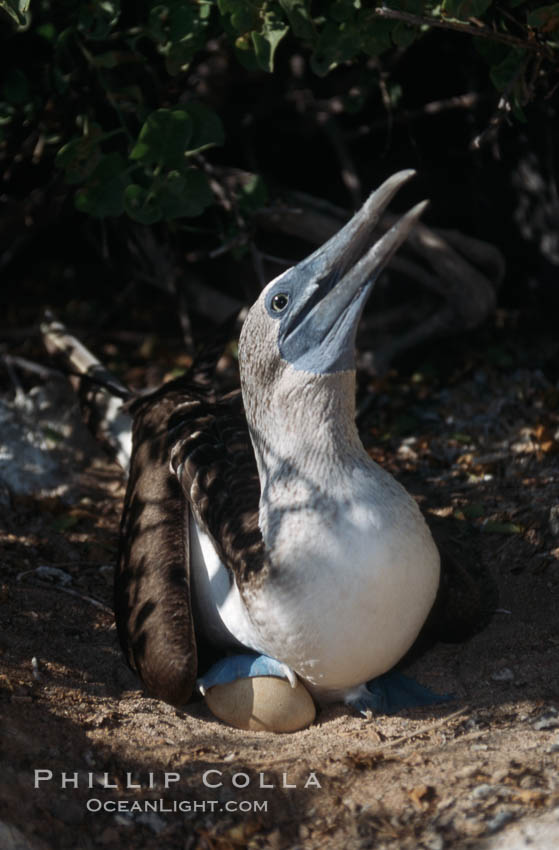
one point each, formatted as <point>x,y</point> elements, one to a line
<point>306,445</point>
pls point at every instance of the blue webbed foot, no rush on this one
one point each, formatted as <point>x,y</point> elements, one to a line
<point>244,666</point>
<point>390,693</point>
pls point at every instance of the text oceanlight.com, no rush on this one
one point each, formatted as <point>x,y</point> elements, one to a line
<point>169,806</point>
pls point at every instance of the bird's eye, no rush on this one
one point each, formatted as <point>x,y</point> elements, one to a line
<point>279,302</point>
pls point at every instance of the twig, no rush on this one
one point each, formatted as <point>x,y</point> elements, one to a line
<point>348,172</point>
<point>278,261</point>
<point>83,597</point>
<point>16,383</point>
<point>423,730</point>
<point>466,29</point>
<point>503,109</point>
<point>59,342</point>
<point>184,317</point>
<point>29,366</point>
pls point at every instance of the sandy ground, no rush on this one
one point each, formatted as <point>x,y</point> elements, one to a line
<point>479,772</point>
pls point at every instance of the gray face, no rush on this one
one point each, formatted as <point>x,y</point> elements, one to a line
<point>316,333</point>
<point>318,303</point>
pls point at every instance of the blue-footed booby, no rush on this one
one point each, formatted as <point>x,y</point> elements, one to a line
<point>258,538</point>
<point>256,524</point>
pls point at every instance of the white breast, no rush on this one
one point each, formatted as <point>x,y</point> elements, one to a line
<point>350,596</point>
<point>354,603</point>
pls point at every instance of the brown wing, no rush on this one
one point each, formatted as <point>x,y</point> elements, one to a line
<point>213,459</point>
<point>190,452</point>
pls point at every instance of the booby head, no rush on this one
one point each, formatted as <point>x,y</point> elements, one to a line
<point>308,316</point>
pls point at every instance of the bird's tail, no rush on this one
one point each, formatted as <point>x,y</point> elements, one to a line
<point>108,406</point>
<point>102,396</point>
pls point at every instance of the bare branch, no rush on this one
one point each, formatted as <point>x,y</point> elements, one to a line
<point>456,26</point>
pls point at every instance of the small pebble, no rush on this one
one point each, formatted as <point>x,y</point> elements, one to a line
<point>107,572</point>
<point>151,819</point>
<point>554,520</point>
<point>484,790</point>
<point>548,720</point>
<point>124,819</point>
<point>504,675</point>
<point>35,669</point>
<point>109,836</point>
<point>432,841</point>
<point>467,771</point>
<point>499,821</point>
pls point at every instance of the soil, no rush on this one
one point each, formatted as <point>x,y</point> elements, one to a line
<point>482,455</point>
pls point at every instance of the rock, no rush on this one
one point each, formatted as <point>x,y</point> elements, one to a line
<point>554,520</point>
<point>534,833</point>
<point>11,838</point>
<point>499,821</point>
<point>548,720</point>
<point>153,820</point>
<point>43,442</point>
<point>262,703</point>
<point>504,675</point>
<point>484,790</point>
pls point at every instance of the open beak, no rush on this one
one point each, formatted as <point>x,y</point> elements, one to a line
<point>330,287</point>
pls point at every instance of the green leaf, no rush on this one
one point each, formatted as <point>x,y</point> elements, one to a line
<point>47,31</point>
<point>171,195</point>
<point>17,10</point>
<point>266,41</point>
<point>341,11</point>
<point>102,195</point>
<point>460,437</point>
<point>110,59</point>
<point>326,53</point>
<point>503,73</point>
<point>79,157</point>
<point>492,51</point>
<point>207,129</point>
<point>474,510</point>
<point>545,19</point>
<point>179,55</point>
<point>493,527</point>
<point>7,113</point>
<point>164,138</point>
<point>178,26</point>
<point>300,21</point>
<point>141,204</point>
<point>243,19</point>
<point>465,9</point>
<point>403,35</point>
<point>184,195</point>
<point>253,194</point>
<point>416,7</point>
<point>97,18</point>
<point>16,87</point>
<point>182,21</point>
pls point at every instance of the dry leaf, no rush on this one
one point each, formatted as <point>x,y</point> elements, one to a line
<point>530,796</point>
<point>421,796</point>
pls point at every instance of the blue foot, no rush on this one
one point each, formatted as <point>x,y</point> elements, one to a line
<point>390,693</point>
<point>244,666</point>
